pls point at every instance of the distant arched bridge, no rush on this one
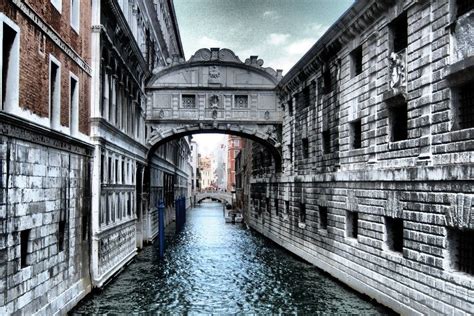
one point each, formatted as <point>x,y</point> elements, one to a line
<point>223,197</point>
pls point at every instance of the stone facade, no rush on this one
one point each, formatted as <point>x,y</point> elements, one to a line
<point>121,203</point>
<point>377,182</point>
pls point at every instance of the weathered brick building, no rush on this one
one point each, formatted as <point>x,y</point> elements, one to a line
<point>73,158</point>
<point>44,155</point>
<point>377,183</point>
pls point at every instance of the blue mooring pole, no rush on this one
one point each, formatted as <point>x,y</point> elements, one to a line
<point>161,227</point>
<point>176,207</point>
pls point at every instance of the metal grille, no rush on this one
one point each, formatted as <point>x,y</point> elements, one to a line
<point>241,101</point>
<point>466,105</point>
<point>305,145</point>
<point>189,101</point>
<point>464,6</point>
<point>323,217</point>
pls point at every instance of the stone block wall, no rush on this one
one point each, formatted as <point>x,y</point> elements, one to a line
<point>386,205</point>
<point>44,216</point>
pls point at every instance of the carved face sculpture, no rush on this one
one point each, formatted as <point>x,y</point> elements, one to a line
<point>214,101</point>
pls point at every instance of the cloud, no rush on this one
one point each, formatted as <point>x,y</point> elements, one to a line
<point>316,29</point>
<point>208,42</point>
<point>277,38</point>
<point>300,47</point>
<point>271,15</point>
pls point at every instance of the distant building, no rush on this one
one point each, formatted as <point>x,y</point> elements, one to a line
<point>208,179</point>
<point>234,144</point>
<point>221,167</point>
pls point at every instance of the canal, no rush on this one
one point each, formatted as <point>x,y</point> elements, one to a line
<point>212,267</point>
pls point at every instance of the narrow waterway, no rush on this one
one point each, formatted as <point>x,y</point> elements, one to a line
<point>213,267</point>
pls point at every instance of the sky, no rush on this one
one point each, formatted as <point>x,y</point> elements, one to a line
<point>279,31</point>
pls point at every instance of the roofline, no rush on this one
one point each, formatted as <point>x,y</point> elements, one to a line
<point>176,28</point>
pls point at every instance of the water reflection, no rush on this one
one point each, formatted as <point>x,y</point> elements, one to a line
<point>212,267</point>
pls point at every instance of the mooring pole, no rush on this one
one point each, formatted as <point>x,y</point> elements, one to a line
<point>161,227</point>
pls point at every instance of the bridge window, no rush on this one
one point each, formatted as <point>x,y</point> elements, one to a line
<point>461,250</point>
<point>463,97</point>
<point>394,237</point>
<point>399,33</point>
<point>241,101</point>
<point>323,217</point>
<point>188,100</point>
<point>356,61</point>
<point>352,219</point>
<point>24,241</point>
<point>398,118</point>
<point>277,210</point>
<point>356,134</point>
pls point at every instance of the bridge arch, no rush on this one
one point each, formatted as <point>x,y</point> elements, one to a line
<point>215,92</point>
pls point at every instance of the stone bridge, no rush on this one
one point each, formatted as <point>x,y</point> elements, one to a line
<point>223,197</point>
<point>215,92</point>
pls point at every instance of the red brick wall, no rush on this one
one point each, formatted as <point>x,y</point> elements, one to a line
<point>34,65</point>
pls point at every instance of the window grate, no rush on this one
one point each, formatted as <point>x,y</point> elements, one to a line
<point>24,238</point>
<point>466,105</point>
<point>189,101</point>
<point>305,146</point>
<point>241,101</point>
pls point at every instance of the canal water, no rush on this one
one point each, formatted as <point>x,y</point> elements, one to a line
<point>213,267</point>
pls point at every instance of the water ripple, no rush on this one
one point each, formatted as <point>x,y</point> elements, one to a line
<point>218,268</point>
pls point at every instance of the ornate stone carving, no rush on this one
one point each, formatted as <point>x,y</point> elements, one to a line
<point>267,115</point>
<point>460,214</point>
<point>214,101</point>
<point>398,75</point>
<point>161,114</point>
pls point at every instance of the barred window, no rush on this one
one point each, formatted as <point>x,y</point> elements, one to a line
<point>399,32</point>
<point>326,136</point>
<point>398,118</point>
<point>461,249</point>
<point>189,101</point>
<point>302,218</point>
<point>356,134</point>
<point>356,58</point>
<point>241,101</point>
<point>305,147</point>
<point>323,217</point>
<point>465,105</point>
<point>352,219</point>
<point>394,229</point>
<point>24,240</point>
